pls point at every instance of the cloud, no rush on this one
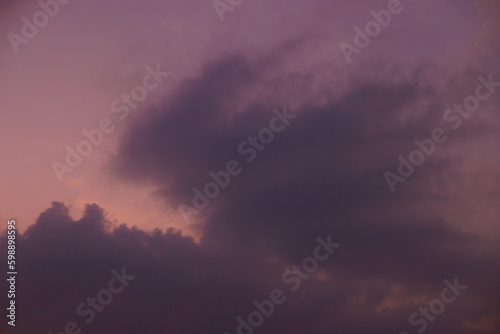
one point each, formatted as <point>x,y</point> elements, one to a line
<point>181,285</point>
<point>322,176</point>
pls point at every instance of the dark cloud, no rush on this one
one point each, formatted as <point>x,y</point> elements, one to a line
<point>180,285</point>
<point>327,165</point>
<point>323,175</point>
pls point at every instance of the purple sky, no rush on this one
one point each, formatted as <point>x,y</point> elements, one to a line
<point>322,175</point>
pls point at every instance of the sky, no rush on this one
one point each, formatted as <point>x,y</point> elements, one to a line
<point>334,161</point>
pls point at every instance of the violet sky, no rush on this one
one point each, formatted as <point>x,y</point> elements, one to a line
<point>322,175</point>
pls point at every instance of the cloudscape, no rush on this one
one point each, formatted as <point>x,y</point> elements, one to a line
<point>241,167</point>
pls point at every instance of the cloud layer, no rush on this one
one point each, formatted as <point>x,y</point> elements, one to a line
<point>382,273</point>
<point>322,175</point>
